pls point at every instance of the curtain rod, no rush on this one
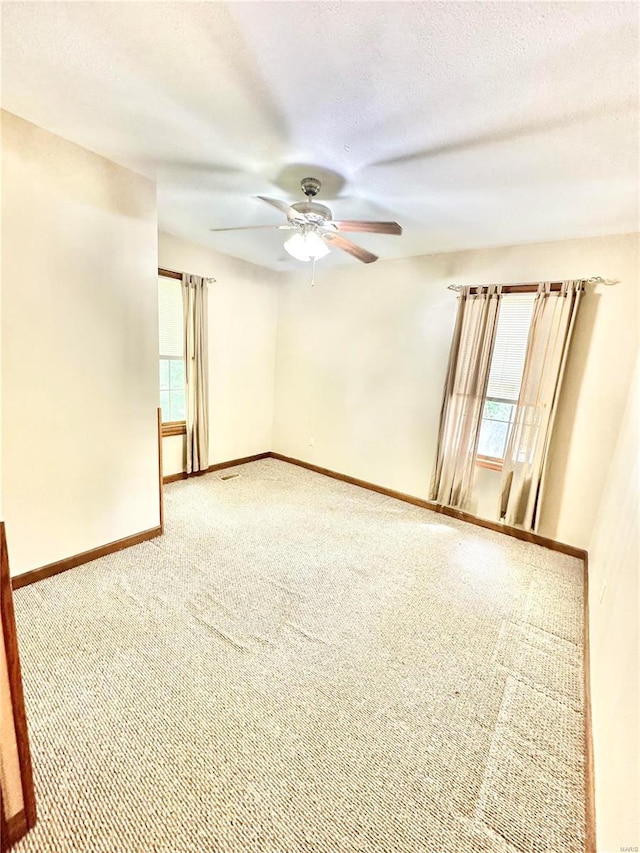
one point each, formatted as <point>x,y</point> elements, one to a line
<point>529,285</point>
<point>173,274</point>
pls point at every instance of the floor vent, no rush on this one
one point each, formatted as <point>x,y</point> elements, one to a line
<point>229,476</point>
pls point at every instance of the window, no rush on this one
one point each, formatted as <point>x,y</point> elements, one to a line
<point>505,376</point>
<point>172,376</point>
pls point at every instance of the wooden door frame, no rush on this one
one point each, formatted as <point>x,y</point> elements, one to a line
<point>19,824</point>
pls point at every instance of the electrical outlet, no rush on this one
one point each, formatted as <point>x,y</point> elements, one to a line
<point>604,588</point>
<point>312,442</point>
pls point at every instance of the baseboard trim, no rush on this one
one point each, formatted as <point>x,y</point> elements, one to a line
<point>515,532</point>
<point>173,478</point>
<point>85,557</point>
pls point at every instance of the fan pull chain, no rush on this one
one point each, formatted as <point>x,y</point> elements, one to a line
<point>313,272</point>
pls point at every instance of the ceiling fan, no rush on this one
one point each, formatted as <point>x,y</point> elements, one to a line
<point>315,230</point>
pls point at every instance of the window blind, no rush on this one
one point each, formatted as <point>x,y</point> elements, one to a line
<point>510,346</point>
<point>170,317</point>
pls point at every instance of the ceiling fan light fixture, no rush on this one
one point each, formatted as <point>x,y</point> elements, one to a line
<point>306,247</point>
<point>315,231</point>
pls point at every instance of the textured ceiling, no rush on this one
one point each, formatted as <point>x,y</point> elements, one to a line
<point>471,124</point>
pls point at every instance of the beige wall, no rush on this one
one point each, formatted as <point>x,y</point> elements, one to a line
<point>362,356</point>
<point>243,303</point>
<point>614,559</point>
<point>79,348</point>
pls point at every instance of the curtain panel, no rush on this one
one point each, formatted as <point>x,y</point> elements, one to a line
<point>195,308</point>
<point>552,324</point>
<point>465,389</point>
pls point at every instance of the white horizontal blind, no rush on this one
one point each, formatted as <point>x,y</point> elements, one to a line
<point>170,317</point>
<point>510,346</point>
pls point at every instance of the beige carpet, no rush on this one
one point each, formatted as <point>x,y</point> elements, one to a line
<point>303,665</point>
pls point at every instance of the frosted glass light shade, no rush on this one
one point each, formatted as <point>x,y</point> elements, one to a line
<point>304,247</point>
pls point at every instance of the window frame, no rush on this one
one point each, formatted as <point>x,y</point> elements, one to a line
<point>170,428</point>
<point>496,463</point>
<point>174,428</point>
<point>493,463</point>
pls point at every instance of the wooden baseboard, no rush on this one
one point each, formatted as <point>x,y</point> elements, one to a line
<point>516,532</point>
<point>172,478</point>
<point>85,557</point>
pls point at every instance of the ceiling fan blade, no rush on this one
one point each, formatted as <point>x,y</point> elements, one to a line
<point>285,208</point>
<point>371,227</point>
<point>349,247</point>
<point>252,227</point>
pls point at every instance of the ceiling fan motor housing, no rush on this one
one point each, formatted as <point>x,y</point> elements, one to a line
<point>310,187</point>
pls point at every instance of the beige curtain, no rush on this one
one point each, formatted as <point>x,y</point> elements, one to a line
<point>194,304</point>
<point>523,471</point>
<point>465,388</point>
